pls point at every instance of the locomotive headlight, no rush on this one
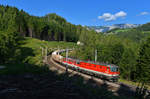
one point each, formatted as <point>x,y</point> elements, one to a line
<point>115,75</point>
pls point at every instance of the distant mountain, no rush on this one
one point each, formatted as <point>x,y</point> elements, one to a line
<point>108,28</point>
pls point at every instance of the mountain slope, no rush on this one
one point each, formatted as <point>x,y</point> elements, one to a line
<point>50,27</point>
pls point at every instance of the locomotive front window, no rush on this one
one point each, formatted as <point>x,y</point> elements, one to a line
<point>114,69</point>
<point>117,69</point>
<point>78,62</point>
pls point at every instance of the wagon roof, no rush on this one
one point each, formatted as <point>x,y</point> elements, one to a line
<point>96,63</point>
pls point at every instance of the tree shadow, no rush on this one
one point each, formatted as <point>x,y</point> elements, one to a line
<point>22,53</point>
<point>35,82</point>
<point>127,90</point>
<point>25,53</point>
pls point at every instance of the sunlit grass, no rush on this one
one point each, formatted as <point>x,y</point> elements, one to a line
<point>131,83</point>
<point>37,45</point>
<point>29,55</point>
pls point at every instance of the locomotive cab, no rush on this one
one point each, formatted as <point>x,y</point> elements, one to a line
<point>114,69</point>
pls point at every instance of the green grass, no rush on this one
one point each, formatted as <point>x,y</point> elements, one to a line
<point>29,57</point>
<point>36,46</point>
<point>131,83</point>
<point>119,30</point>
<point>146,32</point>
<point>128,82</point>
<point>36,43</point>
<point>122,30</point>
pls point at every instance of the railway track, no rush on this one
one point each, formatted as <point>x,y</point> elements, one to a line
<point>116,88</point>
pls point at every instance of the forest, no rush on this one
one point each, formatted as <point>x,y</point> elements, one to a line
<point>130,50</point>
<point>16,24</point>
<point>50,27</point>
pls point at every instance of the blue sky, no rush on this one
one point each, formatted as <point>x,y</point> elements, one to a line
<point>88,12</point>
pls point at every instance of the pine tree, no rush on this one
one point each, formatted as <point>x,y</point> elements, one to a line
<point>127,63</point>
<point>116,53</point>
<point>143,66</point>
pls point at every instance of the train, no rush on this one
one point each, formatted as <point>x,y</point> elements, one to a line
<point>102,70</point>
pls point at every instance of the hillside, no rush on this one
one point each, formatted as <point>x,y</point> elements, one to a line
<point>50,27</point>
<point>136,34</point>
<point>29,51</point>
<point>26,40</point>
<point>29,78</point>
<point>36,47</point>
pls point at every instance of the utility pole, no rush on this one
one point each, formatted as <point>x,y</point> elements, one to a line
<point>41,51</point>
<point>66,60</point>
<point>58,49</point>
<point>95,55</point>
<point>46,54</point>
<point>66,54</point>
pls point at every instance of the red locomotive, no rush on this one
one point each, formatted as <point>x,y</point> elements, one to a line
<point>102,70</point>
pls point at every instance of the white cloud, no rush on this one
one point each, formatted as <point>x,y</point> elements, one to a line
<point>111,17</point>
<point>144,13</point>
<point>107,17</point>
<point>121,14</point>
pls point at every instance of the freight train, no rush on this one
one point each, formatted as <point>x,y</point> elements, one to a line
<point>105,71</point>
